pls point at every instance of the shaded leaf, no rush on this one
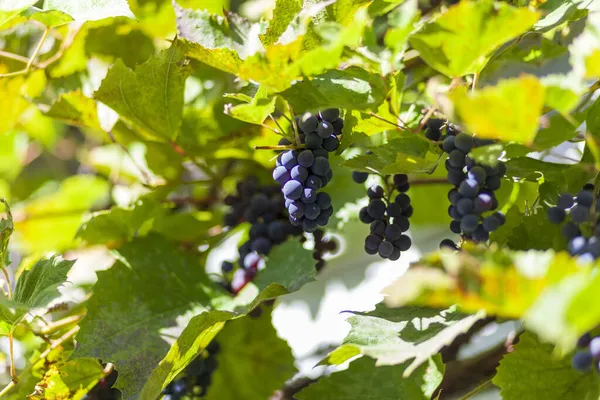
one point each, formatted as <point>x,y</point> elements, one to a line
<point>384,382</point>
<point>75,108</point>
<point>199,332</point>
<point>253,362</point>
<point>555,378</point>
<point>126,326</point>
<point>289,265</point>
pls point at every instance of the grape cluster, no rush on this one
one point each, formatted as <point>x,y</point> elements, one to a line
<point>196,379</point>
<point>589,354</point>
<point>263,207</point>
<point>303,172</point>
<point>388,219</point>
<point>472,200</point>
<point>323,245</point>
<point>582,229</point>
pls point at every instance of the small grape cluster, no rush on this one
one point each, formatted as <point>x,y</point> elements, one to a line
<point>589,354</point>
<point>263,207</point>
<point>303,172</point>
<point>323,246</point>
<point>582,231</point>
<point>472,198</point>
<point>196,378</point>
<point>388,220</point>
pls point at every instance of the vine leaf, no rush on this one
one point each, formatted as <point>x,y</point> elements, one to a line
<point>12,8</point>
<point>395,336</point>
<point>91,10</point>
<point>151,97</point>
<point>384,382</point>
<point>126,326</point>
<point>69,380</point>
<point>252,362</point>
<point>196,336</point>
<point>284,13</point>
<point>555,377</point>
<point>256,110</point>
<point>289,265</point>
<point>75,108</point>
<point>59,212</point>
<point>484,111</point>
<point>456,48</point>
<point>38,286</point>
<point>15,91</point>
<point>353,88</point>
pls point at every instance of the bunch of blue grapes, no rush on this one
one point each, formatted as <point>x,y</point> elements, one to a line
<point>580,225</point>
<point>588,355</point>
<point>196,378</point>
<point>263,207</point>
<point>472,199</point>
<point>388,219</point>
<point>302,172</point>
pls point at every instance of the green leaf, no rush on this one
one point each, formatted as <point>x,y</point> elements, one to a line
<point>15,91</point>
<point>558,130</point>
<point>59,212</point>
<point>555,378</point>
<point>119,41</point>
<point>11,8</point>
<point>289,265</point>
<point>501,282</point>
<point>402,21</point>
<point>284,13</point>
<point>126,326</point>
<point>151,98</point>
<point>38,286</point>
<point>593,120</point>
<point>90,10</point>
<point>484,111</point>
<point>253,362</point>
<point>383,382</point>
<point>74,108</point>
<point>7,228</point>
<point>583,312</point>
<point>456,48</point>
<point>255,111</point>
<point>199,332</point>
<point>70,380</point>
<point>412,334</point>
<point>352,88</point>
<point>119,224</point>
<point>51,19</point>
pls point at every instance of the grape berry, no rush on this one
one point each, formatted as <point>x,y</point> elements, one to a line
<point>589,354</point>
<point>389,220</point>
<point>579,225</point>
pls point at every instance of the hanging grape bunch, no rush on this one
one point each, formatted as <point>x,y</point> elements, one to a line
<point>472,199</point>
<point>196,378</point>
<point>304,171</point>
<point>388,219</point>
<point>263,207</point>
<point>581,230</point>
<point>589,354</point>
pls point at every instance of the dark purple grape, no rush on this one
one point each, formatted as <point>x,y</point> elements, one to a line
<point>321,166</point>
<point>323,200</point>
<point>308,123</point>
<point>403,243</point>
<point>556,215</point>
<point>359,177</point>
<point>299,173</point>
<point>292,190</point>
<point>463,142</point>
<point>306,158</point>
<point>331,144</point>
<point>324,129</point>
<point>330,114</point>
<point>385,249</point>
